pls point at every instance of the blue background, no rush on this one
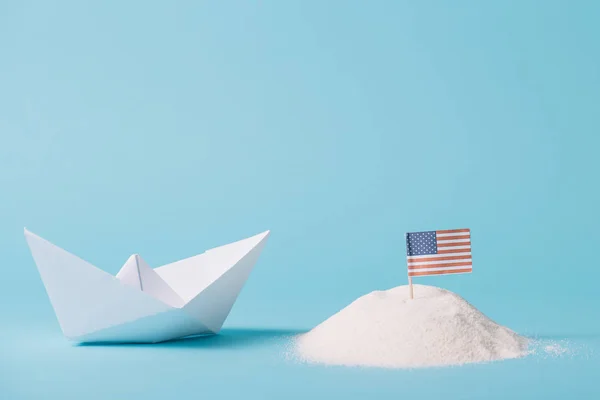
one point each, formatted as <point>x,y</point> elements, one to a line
<point>165,128</point>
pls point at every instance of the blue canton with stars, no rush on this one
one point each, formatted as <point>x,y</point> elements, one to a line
<point>420,243</point>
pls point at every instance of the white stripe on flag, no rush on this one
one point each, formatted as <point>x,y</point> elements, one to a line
<point>412,258</point>
<point>461,260</point>
<point>454,241</point>
<point>454,248</point>
<point>439,269</point>
<point>453,234</point>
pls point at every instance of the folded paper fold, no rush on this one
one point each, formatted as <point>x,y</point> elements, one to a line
<point>140,304</point>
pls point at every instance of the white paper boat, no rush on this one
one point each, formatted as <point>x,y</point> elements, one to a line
<point>144,305</point>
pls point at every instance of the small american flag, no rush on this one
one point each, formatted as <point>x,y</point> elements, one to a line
<point>439,252</point>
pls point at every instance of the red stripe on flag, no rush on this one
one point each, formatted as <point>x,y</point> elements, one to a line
<point>450,251</point>
<point>449,258</point>
<point>453,231</point>
<point>453,237</point>
<point>456,264</point>
<point>444,272</point>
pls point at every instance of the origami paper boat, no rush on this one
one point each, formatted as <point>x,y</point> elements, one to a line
<point>144,305</point>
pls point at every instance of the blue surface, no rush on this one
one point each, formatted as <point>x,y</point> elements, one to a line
<point>166,128</point>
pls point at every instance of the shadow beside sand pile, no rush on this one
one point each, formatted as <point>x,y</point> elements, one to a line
<point>227,338</point>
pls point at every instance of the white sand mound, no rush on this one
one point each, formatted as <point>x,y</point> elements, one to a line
<point>387,329</point>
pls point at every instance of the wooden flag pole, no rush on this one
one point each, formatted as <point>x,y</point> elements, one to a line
<point>410,286</point>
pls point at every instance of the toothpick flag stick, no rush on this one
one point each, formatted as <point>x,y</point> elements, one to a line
<point>438,253</point>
